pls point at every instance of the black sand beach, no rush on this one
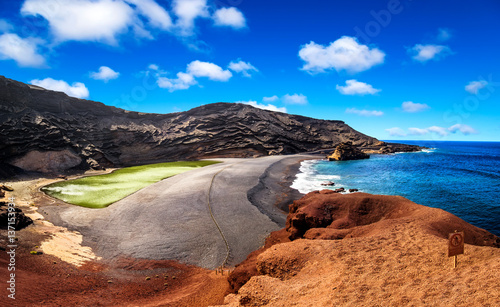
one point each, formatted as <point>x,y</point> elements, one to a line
<point>170,219</point>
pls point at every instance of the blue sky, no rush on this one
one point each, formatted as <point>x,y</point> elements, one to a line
<point>402,70</point>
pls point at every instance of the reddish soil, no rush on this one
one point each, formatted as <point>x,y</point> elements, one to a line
<point>369,250</point>
<point>43,280</point>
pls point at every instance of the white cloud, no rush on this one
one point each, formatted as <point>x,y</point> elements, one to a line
<point>230,17</point>
<point>153,67</point>
<point>294,99</point>
<point>364,112</point>
<point>464,129</point>
<point>424,53</point>
<point>474,86</point>
<point>418,131</point>
<point>343,54</point>
<point>83,20</point>
<point>187,11</point>
<point>182,82</point>
<point>242,67</point>
<point>5,26</point>
<point>77,89</point>
<point>105,73</point>
<point>209,70</point>
<point>354,87</point>
<point>22,50</point>
<point>412,107</point>
<point>396,131</point>
<point>439,130</point>
<point>268,107</point>
<point>106,21</point>
<point>270,99</point>
<point>156,14</point>
<point>442,131</point>
<point>185,80</point>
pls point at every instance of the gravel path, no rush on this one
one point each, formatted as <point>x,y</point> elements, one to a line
<point>171,218</point>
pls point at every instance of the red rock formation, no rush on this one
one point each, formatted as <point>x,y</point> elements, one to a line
<point>326,215</point>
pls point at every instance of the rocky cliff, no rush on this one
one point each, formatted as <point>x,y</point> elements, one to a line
<point>47,131</point>
<point>361,249</point>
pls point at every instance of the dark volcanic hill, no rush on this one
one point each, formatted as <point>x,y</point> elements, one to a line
<point>48,131</point>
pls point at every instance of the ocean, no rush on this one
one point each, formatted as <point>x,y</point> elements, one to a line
<point>460,177</point>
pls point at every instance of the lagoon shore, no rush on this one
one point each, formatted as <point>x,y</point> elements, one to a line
<point>170,220</point>
<point>163,228</point>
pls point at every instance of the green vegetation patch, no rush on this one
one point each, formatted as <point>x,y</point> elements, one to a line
<point>103,190</point>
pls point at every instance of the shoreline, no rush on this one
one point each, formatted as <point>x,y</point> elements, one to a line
<point>248,192</point>
<point>52,229</point>
<point>273,193</point>
<point>270,178</point>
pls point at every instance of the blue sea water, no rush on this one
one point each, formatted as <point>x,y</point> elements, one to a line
<point>460,177</point>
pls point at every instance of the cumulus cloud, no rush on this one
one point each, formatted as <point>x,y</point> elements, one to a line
<point>396,131</point>
<point>106,21</point>
<point>474,86</point>
<point>439,130</point>
<point>229,17</point>
<point>271,98</point>
<point>182,82</point>
<point>354,87</point>
<point>77,89</point>
<point>424,53</point>
<point>209,70</point>
<point>242,67</point>
<point>105,74</point>
<point>156,15</point>
<point>294,99</point>
<point>268,107</point>
<point>187,11</point>
<point>22,50</point>
<point>364,112</point>
<point>343,54</point>
<point>153,67</point>
<point>412,107</point>
<point>442,131</point>
<point>83,20</point>
<point>418,131</point>
<point>464,129</point>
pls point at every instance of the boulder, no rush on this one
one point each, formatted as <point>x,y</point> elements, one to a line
<point>21,220</point>
<point>353,190</point>
<point>6,188</point>
<point>328,184</point>
<point>347,151</point>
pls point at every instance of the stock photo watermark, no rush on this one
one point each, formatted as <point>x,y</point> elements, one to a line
<point>380,20</point>
<point>472,102</point>
<point>11,248</point>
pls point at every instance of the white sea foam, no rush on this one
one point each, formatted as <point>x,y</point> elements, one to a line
<point>308,180</point>
<point>425,150</point>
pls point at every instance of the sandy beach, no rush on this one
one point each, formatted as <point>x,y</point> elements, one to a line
<point>166,224</point>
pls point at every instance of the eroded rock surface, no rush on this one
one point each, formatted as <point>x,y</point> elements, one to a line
<point>43,122</point>
<point>363,249</point>
<point>347,151</point>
